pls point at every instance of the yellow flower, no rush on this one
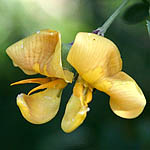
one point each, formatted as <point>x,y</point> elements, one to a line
<point>98,62</point>
<point>40,53</point>
<point>95,58</point>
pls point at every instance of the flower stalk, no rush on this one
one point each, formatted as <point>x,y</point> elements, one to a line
<point>102,30</point>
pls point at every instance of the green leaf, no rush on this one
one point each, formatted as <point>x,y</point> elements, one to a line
<point>136,13</point>
<point>146,1</point>
<point>148,26</point>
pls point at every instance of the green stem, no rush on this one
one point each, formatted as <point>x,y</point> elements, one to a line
<point>148,24</point>
<point>101,30</point>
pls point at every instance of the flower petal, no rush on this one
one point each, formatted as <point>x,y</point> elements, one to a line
<point>40,107</point>
<point>74,115</point>
<point>126,98</point>
<point>77,107</point>
<point>40,53</point>
<point>94,57</point>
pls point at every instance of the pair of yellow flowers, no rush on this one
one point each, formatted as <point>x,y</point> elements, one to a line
<point>98,63</point>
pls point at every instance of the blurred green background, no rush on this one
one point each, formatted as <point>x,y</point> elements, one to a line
<point>102,129</point>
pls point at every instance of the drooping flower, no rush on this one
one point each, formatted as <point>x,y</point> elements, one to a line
<point>98,62</point>
<point>40,53</point>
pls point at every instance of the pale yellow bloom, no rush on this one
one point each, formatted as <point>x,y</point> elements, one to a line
<point>98,62</point>
<point>95,58</point>
<point>40,53</point>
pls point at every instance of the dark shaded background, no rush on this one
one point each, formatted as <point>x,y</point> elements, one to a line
<point>102,129</point>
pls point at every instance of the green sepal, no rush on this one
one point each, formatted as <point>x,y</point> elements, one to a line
<point>65,47</point>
